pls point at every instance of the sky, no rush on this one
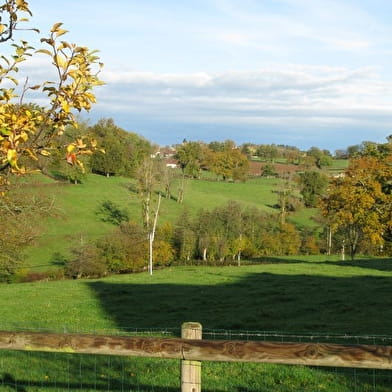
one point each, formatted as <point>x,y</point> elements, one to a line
<point>295,72</point>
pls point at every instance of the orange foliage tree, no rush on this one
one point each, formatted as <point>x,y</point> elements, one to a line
<point>358,205</point>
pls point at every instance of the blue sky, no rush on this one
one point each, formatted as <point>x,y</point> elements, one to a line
<point>298,72</point>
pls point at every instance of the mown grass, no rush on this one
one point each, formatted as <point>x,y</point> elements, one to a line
<point>302,296</point>
<point>339,165</point>
<point>76,220</point>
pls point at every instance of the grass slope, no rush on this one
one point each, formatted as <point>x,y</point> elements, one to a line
<point>77,221</point>
<point>296,296</point>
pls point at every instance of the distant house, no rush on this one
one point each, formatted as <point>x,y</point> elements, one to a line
<point>164,152</point>
<point>172,163</point>
<point>167,154</point>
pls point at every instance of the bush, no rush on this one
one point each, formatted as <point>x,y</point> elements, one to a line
<point>125,249</point>
<point>268,171</point>
<point>111,213</point>
<point>26,276</point>
<point>87,262</point>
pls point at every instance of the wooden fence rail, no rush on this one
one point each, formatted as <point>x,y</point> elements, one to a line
<point>185,349</point>
<point>310,354</point>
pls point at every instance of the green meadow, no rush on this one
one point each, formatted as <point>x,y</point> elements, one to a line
<point>290,299</point>
<point>297,298</point>
<point>75,219</point>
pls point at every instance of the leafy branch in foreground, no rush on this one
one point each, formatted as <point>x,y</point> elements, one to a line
<point>29,131</point>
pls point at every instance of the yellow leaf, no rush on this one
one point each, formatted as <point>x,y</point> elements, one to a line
<point>60,32</point>
<point>60,61</point>
<point>70,148</point>
<point>80,164</point>
<point>81,144</point>
<point>32,155</point>
<point>12,157</point>
<point>66,44</point>
<point>65,106</point>
<point>13,80</point>
<point>45,153</point>
<point>24,136</point>
<point>55,27</point>
<point>45,51</point>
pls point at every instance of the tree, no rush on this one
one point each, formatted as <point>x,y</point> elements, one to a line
<point>124,250</point>
<point>312,186</point>
<point>112,213</point>
<point>147,179</point>
<point>287,202</point>
<point>86,262</point>
<point>189,157</point>
<point>268,152</point>
<point>185,237</point>
<point>124,151</point>
<point>231,164</point>
<point>358,205</point>
<point>268,170</point>
<point>322,157</point>
<point>20,219</point>
<point>27,131</point>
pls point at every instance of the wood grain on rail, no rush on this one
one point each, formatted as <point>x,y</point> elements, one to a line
<point>310,354</point>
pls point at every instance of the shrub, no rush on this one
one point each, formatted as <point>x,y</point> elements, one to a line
<point>87,262</point>
<point>112,213</point>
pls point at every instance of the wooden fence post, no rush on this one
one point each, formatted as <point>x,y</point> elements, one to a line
<point>191,370</point>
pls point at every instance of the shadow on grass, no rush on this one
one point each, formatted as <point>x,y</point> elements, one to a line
<point>379,264</point>
<point>296,304</point>
<point>261,301</point>
<point>376,264</point>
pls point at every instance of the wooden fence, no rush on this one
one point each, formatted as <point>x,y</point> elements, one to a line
<point>191,350</point>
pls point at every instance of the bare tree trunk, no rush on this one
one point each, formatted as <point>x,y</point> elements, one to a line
<point>151,235</point>
<point>329,240</point>
<point>181,189</point>
<point>150,254</point>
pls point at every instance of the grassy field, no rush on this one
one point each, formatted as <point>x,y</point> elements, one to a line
<point>338,165</point>
<point>77,221</point>
<point>296,296</point>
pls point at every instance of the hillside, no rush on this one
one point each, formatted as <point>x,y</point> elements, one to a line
<point>76,220</point>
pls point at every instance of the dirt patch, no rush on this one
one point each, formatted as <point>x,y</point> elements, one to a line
<point>281,168</point>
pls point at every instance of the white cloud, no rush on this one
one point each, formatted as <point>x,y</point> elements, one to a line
<point>291,94</point>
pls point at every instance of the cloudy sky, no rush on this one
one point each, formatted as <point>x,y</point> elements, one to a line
<point>298,72</point>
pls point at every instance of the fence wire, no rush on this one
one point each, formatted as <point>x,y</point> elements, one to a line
<point>37,371</point>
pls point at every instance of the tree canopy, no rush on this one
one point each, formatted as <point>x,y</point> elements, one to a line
<point>358,205</point>
<point>28,131</point>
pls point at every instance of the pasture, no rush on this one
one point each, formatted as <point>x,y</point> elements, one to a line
<point>294,296</point>
<point>76,220</point>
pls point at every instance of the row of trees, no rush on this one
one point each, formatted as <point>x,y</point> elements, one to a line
<point>356,212</point>
<point>223,235</point>
<point>223,159</point>
<point>272,152</point>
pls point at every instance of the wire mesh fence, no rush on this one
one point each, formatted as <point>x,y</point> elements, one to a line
<point>26,371</point>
